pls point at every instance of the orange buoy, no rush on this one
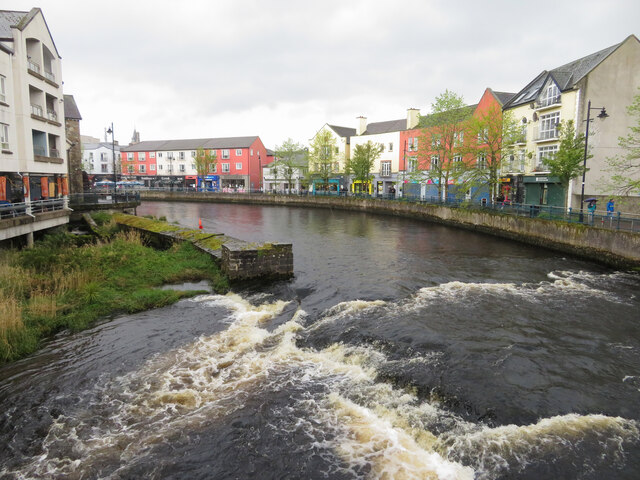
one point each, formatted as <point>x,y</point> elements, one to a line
<point>200,224</point>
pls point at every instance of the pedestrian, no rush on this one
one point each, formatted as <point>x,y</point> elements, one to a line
<point>592,210</point>
<point>610,208</point>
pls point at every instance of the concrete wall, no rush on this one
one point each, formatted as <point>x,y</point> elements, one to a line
<point>242,262</point>
<point>619,249</point>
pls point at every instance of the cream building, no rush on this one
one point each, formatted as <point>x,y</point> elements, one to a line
<point>609,78</point>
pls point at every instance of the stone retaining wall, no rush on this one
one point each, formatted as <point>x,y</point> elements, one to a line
<point>614,248</point>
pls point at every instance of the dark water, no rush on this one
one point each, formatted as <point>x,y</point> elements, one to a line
<point>400,350</point>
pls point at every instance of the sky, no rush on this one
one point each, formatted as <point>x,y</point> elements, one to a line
<point>281,69</point>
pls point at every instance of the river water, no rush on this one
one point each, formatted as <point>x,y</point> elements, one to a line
<point>400,350</point>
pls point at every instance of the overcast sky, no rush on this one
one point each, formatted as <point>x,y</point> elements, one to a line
<point>283,68</point>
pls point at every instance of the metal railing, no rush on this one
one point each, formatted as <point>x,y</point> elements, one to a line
<point>50,76</point>
<point>93,198</point>
<point>36,110</point>
<point>11,210</point>
<point>33,66</point>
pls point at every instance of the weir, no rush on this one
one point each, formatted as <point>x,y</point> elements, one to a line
<point>238,259</point>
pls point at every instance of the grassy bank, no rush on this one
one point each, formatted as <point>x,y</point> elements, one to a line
<point>60,284</point>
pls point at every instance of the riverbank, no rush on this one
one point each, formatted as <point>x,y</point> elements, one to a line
<point>68,282</point>
<point>609,247</point>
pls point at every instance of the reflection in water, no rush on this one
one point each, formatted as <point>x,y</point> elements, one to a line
<point>389,355</point>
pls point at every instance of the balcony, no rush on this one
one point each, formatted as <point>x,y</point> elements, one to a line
<point>546,135</point>
<point>50,76</point>
<point>54,153</point>
<point>548,102</point>
<point>33,66</point>
<point>52,115</point>
<point>36,110</point>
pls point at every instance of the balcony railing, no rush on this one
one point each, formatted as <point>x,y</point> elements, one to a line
<point>34,67</point>
<point>547,134</point>
<point>36,110</point>
<point>54,153</point>
<point>50,76</point>
<point>549,101</point>
<point>52,115</point>
<point>40,151</point>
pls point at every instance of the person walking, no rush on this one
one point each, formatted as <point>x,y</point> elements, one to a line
<point>610,208</point>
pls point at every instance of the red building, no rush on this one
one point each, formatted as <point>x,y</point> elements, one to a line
<point>238,165</point>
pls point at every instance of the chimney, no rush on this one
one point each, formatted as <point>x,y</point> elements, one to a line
<point>362,125</point>
<point>413,118</point>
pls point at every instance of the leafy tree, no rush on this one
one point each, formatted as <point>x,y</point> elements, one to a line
<point>290,154</point>
<point>568,162</point>
<point>440,144</point>
<point>322,156</point>
<point>205,160</point>
<point>625,168</point>
<point>491,136</point>
<point>361,162</point>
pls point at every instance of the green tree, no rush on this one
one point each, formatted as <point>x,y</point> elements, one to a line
<point>491,135</point>
<point>625,168</point>
<point>362,160</point>
<point>440,145</point>
<point>291,156</point>
<point>322,156</point>
<point>568,162</point>
<point>205,161</point>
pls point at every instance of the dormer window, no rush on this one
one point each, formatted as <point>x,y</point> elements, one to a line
<point>550,95</point>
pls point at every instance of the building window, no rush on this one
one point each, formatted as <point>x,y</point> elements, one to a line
<point>225,166</point>
<point>129,156</point>
<point>91,156</point>
<point>385,169</point>
<point>481,160</point>
<point>239,166</point>
<point>193,154</point>
<point>170,155</point>
<point>225,154</point>
<point>458,138</point>
<point>152,155</point>
<point>160,167</point>
<point>141,168</point>
<point>252,152</point>
<point>543,154</point>
<point>213,167</point>
<point>391,146</point>
<point>550,95</point>
<point>193,166</point>
<point>152,168</point>
<point>3,87</point>
<point>412,164</point>
<point>104,168</point>
<point>435,159</point>
<point>103,157</point>
<point>238,152</point>
<point>182,168</point>
<point>141,157</point>
<point>483,135</point>
<point>130,168</point>
<point>159,154</point>
<point>457,157</point>
<point>181,155</point>
<point>549,125</point>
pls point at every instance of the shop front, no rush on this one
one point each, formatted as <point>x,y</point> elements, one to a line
<point>234,183</point>
<point>543,190</point>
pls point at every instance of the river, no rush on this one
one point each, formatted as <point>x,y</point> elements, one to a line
<point>400,350</point>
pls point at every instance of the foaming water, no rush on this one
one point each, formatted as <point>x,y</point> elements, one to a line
<point>376,429</point>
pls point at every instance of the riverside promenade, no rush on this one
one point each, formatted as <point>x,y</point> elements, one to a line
<point>619,249</point>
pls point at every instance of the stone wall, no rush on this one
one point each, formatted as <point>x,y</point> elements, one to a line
<point>614,248</point>
<point>246,262</point>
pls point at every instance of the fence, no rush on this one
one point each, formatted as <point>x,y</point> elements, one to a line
<point>11,210</point>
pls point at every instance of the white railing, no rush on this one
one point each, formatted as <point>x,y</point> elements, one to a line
<point>50,76</point>
<point>36,110</point>
<point>547,102</point>
<point>52,115</point>
<point>33,66</point>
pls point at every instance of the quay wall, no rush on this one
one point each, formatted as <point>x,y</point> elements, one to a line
<point>614,248</point>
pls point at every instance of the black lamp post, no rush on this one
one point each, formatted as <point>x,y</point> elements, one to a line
<point>113,157</point>
<point>602,115</point>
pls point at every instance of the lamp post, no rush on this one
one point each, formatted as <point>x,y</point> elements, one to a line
<point>602,115</point>
<point>113,157</point>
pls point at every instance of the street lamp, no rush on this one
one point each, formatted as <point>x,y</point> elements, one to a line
<point>602,115</point>
<point>113,157</point>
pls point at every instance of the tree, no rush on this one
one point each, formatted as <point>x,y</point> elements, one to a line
<point>361,162</point>
<point>205,161</point>
<point>491,135</point>
<point>440,145</point>
<point>290,154</point>
<point>322,156</point>
<point>625,168</point>
<point>568,162</point>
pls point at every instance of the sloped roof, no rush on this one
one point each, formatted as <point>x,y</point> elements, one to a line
<point>565,76</point>
<point>343,131</point>
<point>191,144</point>
<point>386,127</point>
<point>71,109</point>
<point>8,19</point>
<point>16,19</point>
<point>503,97</point>
<point>94,146</point>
